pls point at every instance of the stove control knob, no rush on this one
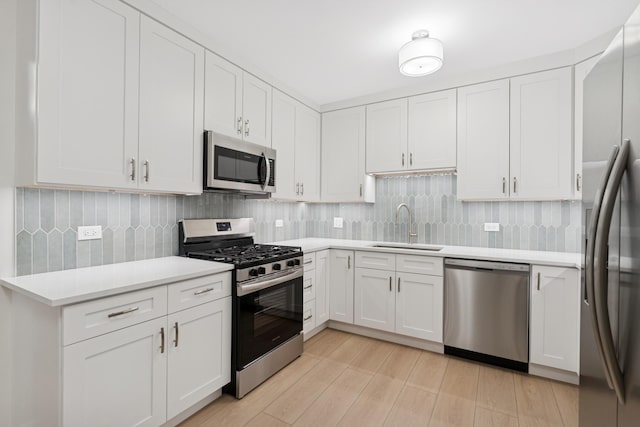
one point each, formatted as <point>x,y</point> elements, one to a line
<point>276,266</point>
<point>261,270</point>
<point>253,272</point>
<point>291,263</point>
<point>297,261</point>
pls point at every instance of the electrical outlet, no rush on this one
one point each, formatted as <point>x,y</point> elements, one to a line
<point>92,232</point>
<point>338,222</point>
<point>491,226</point>
<point>279,223</point>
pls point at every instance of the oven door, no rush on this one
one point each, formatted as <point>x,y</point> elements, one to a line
<point>237,165</point>
<point>267,318</point>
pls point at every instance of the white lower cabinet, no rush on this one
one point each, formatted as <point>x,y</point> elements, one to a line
<point>341,285</point>
<point>117,379</point>
<point>199,354</point>
<point>396,299</point>
<point>555,317</point>
<point>322,287</point>
<point>315,294</point>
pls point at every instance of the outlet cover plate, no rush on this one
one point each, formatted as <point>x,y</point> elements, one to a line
<point>92,232</point>
<point>338,222</point>
<point>279,223</point>
<point>491,226</point>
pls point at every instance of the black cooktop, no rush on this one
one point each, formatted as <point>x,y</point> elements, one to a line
<point>247,255</point>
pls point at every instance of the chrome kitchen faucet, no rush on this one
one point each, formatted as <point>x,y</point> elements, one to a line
<point>409,233</point>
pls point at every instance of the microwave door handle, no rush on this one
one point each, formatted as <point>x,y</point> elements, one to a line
<point>589,260</point>
<point>268,177</point>
<point>601,285</point>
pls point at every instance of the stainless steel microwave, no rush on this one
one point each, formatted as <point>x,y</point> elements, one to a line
<point>238,166</point>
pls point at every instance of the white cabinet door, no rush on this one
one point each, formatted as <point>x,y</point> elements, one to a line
<point>375,299</point>
<point>387,136</point>
<point>483,141</point>
<point>343,156</point>
<point>432,131</point>
<point>341,286</point>
<point>223,96</point>
<point>555,317</point>
<point>307,153</point>
<point>322,287</point>
<point>88,93</point>
<point>117,379</point>
<point>419,301</point>
<point>541,135</point>
<point>309,317</point>
<point>284,142</point>
<point>171,110</point>
<point>199,347</point>
<point>580,73</point>
<point>256,110</point>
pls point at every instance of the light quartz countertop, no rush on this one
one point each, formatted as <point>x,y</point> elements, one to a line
<point>559,259</point>
<point>83,284</point>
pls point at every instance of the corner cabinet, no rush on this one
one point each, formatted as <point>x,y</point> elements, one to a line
<point>343,157</point>
<point>143,134</point>
<point>555,317</point>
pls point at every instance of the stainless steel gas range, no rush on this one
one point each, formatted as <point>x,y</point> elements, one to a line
<point>267,296</point>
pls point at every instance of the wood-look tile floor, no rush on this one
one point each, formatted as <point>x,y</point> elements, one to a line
<point>349,380</point>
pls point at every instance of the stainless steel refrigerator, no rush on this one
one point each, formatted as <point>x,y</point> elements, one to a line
<point>610,315</point>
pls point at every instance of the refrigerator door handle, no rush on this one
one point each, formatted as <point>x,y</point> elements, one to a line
<point>601,285</point>
<point>590,254</point>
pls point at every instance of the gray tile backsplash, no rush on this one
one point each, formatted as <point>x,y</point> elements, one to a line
<point>140,227</point>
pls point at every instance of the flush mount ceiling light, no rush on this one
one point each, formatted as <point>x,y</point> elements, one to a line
<point>421,56</point>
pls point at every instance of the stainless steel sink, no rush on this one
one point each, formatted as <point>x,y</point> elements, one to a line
<point>413,247</point>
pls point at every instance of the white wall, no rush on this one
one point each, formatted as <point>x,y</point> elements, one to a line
<point>7,232</point>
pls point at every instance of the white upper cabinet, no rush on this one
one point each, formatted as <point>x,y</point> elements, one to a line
<point>171,110</point>
<point>386,136</point>
<point>432,131</point>
<point>236,103</point>
<point>87,126</point>
<point>483,141</point>
<point>541,135</point>
<point>284,142</point>
<point>307,153</point>
<point>223,96</point>
<point>343,157</point>
<point>580,73</point>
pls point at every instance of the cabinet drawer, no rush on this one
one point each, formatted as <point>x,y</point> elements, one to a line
<point>194,292</point>
<point>376,260</point>
<point>309,317</point>
<point>309,286</point>
<point>309,262</point>
<point>93,318</point>
<point>419,264</point>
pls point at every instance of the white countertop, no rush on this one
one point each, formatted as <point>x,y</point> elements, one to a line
<point>559,259</point>
<point>83,284</point>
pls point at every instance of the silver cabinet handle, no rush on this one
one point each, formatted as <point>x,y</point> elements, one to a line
<point>578,182</point>
<point>398,285</point>
<point>308,287</point>
<point>302,189</point>
<point>133,169</point>
<point>203,291</point>
<point>298,188</point>
<point>239,129</point>
<point>307,318</point>
<point>402,159</point>
<point>410,159</point>
<point>176,327</point>
<point>120,313</point>
<point>349,262</point>
<point>162,340</point>
<point>146,170</point>
<point>307,262</point>
<point>538,287</point>
<point>504,185</point>
<point>390,283</point>
<point>515,184</point>
<point>360,190</point>
<point>246,127</point>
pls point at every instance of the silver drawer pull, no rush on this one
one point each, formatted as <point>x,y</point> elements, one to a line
<point>308,287</point>
<point>307,318</point>
<point>203,291</point>
<point>309,261</point>
<point>120,313</point>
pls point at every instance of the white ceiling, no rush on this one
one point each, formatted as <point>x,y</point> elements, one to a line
<point>331,50</point>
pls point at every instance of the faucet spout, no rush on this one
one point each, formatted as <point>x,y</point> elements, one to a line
<point>410,234</point>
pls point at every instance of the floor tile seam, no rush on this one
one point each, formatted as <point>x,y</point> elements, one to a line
<point>555,399</point>
<point>356,399</point>
<point>516,415</point>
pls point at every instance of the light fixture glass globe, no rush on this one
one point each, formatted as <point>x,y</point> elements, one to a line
<point>421,56</point>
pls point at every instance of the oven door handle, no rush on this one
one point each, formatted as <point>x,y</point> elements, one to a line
<point>254,287</point>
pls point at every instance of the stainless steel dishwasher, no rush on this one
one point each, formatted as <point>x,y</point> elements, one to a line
<point>486,313</point>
